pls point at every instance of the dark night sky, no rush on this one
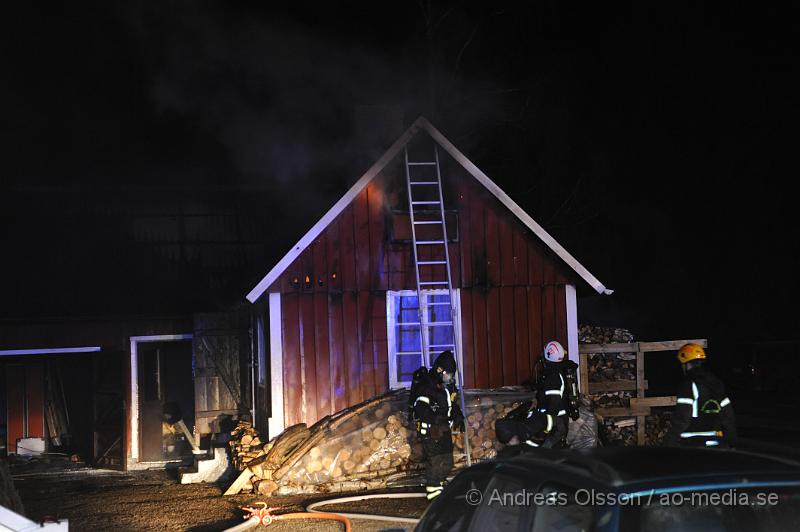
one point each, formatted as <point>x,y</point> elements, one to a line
<point>656,142</point>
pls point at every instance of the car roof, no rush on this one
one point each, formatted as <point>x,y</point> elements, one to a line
<point>641,465</point>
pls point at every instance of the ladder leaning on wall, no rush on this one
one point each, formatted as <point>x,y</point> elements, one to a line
<point>426,208</point>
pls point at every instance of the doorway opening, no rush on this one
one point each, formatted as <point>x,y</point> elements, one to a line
<point>62,402</point>
<point>163,416</point>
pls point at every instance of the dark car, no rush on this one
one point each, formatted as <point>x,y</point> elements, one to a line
<point>622,488</point>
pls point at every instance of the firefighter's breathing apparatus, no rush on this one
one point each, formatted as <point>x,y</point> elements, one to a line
<point>555,354</point>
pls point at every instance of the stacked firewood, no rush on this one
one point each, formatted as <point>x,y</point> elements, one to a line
<point>371,445</point>
<point>610,367</point>
<point>481,416</point>
<point>617,431</point>
<point>612,399</point>
<point>589,334</point>
<point>245,444</point>
<point>656,426</point>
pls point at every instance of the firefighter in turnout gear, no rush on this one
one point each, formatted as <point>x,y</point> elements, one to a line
<point>524,426</point>
<point>436,412</point>
<point>703,416</point>
<point>553,393</point>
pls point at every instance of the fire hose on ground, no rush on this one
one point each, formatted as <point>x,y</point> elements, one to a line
<point>264,515</point>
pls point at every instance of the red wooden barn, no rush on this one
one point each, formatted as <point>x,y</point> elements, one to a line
<point>330,312</point>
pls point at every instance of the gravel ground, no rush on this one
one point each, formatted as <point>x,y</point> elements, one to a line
<point>153,500</point>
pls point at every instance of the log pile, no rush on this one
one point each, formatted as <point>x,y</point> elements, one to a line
<point>615,432</point>
<point>245,445</point>
<point>372,445</point>
<point>606,368</point>
<point>612,399</point>
<point>481,414</point>
<point>589,334</point>
<point>656,426</point>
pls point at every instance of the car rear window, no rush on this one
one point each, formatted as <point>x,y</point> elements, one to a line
<point>564,512</point>
<point>755,510</point>
<point>452,510</point>
<point>501,509</point>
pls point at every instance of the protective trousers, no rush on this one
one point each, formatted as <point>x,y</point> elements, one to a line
<point>438,450</point>
<point>556,438</point>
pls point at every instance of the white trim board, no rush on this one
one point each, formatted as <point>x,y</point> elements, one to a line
<point>277,421</point>
<point>134,424</point>
<point>571,296</point>
<point>49,351</point>
<point>422,124</point>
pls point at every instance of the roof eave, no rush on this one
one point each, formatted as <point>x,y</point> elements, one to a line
<point>380,164</point>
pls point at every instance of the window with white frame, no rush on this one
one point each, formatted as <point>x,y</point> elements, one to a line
<point>441,329</point>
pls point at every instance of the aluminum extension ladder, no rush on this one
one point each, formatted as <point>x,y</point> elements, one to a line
<point>431,209</point>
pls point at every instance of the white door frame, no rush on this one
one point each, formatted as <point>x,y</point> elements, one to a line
<point>133,459</point>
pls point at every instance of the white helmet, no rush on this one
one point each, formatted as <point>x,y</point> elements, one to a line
<point>554,352</point>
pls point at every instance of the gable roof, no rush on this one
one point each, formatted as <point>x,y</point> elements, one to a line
<point>422,124</point>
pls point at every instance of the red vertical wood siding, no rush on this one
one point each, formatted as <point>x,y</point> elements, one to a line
<point>467,340</point>
<point>522,344</point>
<point>15,395</point>
<point>380,344</point>
<point>34,389</point>
<point>366,349</point>
<point>336,344</point>
<point>512,297</point>
<point>292,386</point>
<point>324,369</point>
<point>507,334</point>
<point>351,357</point>
<point>465,234</point>
<point>494,335</point>
<point>309,356</point>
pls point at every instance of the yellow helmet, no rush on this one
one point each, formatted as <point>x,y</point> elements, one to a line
<point>691,352</point>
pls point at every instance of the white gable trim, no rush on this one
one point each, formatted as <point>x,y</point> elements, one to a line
<point>524,217</point>
<point>394,149</point>
<point>331,215</point>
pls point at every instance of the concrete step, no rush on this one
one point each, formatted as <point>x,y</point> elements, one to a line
<point>212,469</point>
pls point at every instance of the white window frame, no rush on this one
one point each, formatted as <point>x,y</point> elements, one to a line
<point>391,298</point>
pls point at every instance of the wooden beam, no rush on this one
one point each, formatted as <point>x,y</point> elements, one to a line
<point>609,348</point>
<point>669,400</point>
<point>672,345</point>
<point>640,419</point>
<point>238,484</point>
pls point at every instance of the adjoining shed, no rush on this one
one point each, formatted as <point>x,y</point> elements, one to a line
<point>331,315</point>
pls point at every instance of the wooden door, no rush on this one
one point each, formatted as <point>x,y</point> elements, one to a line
<point>108,409</point>
<point>221,359</point>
